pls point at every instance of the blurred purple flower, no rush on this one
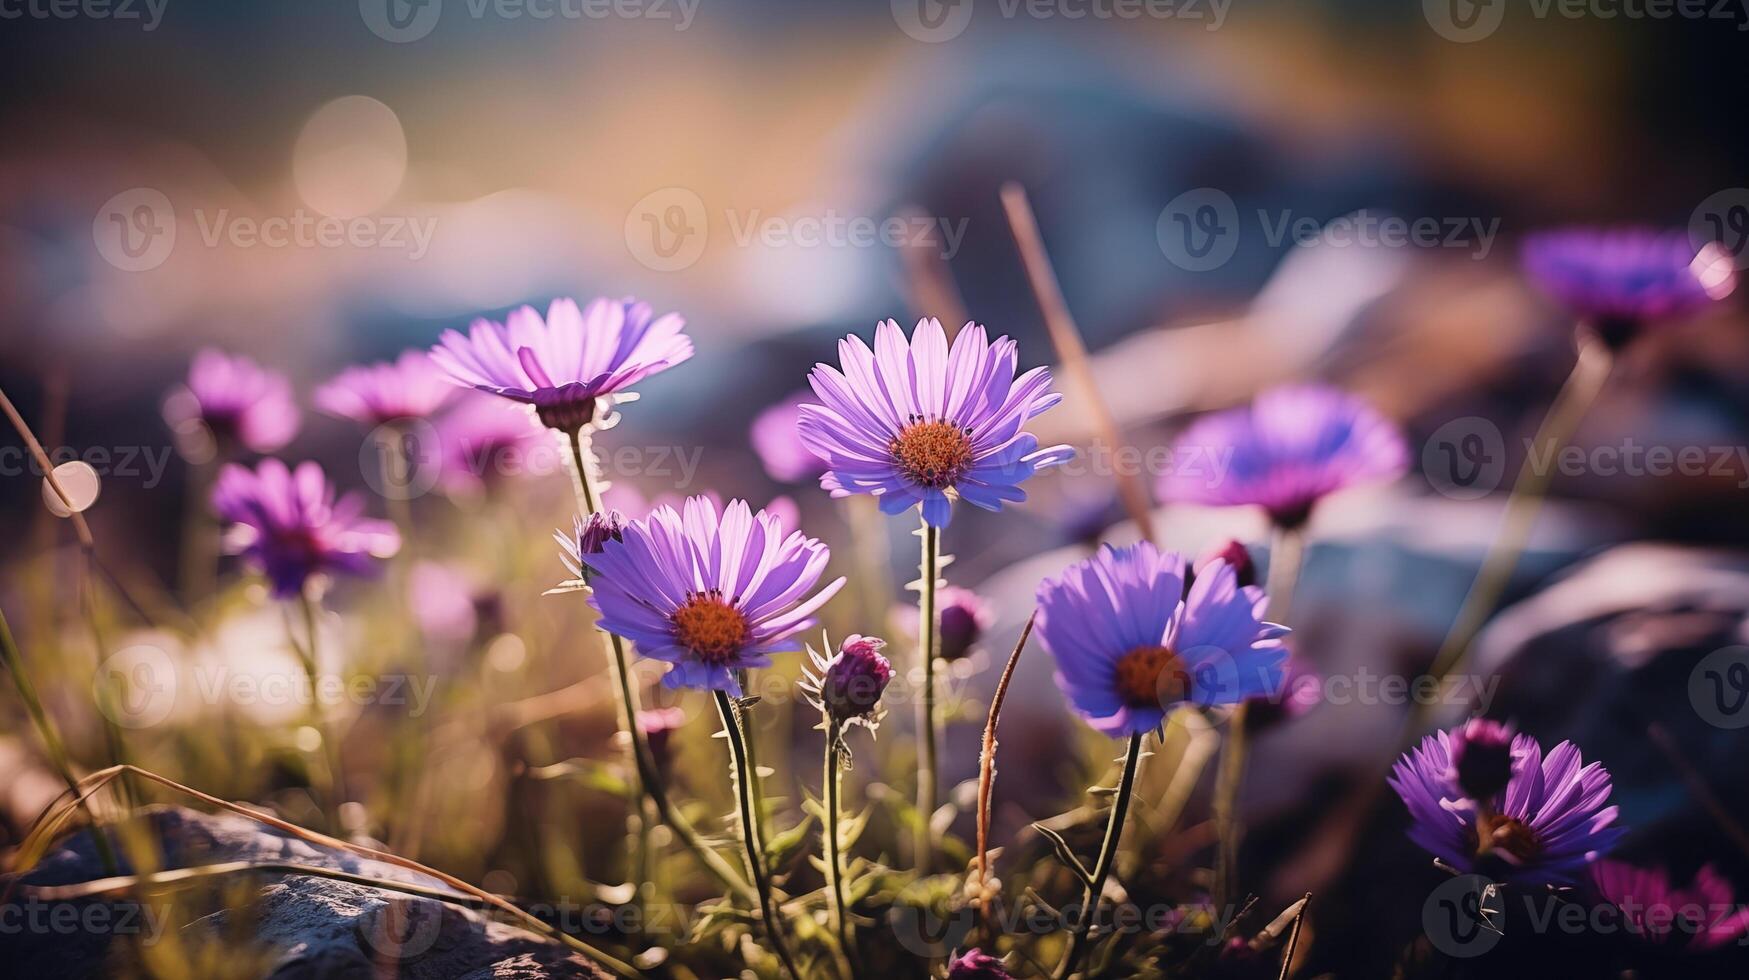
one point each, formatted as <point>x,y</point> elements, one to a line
<point>1284,452</point>
<point>236,400</point>
<point>911,421</point>
<point>1704,916</point>
<point>709,593</point>
<point>975,964</point>
<point>563,364</point>
<point>477,438</point>
<point>775,438</point>
<point>1481,757</point>
<point>848,686</point>
<point>1544,828</point>
<point>1130,644</point>
<point>1620,279</point>
<point>288,523</point>
<point>409,387</point>
<point>1302,689</point>
<point>1231,552</point>
<point>659,726</point>
<point>441,598</point>
<point>965,615</point>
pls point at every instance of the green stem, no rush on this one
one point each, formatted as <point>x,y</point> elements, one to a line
<point>619,665</point>
<point>928,646</point>
<point>1286,553</point>
<point>751,841</point>
<point>1107,856</point>
<point>307,652</point>
<point>832,787</point>
<point>51,737</point>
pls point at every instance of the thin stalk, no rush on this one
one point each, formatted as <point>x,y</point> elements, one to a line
<point>751,841</point>
<point>650,782</point>
<point>928,646</point>
<point>987,782</point>
<point>1107,855</point>
<point>307,652</point>
<point>1590,371</point>
<point>832,787</point>
<point>51,737</point>
<point>200,534</point>
<point>1286,554</point>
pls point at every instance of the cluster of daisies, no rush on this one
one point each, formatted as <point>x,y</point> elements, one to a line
<point>923,424</point>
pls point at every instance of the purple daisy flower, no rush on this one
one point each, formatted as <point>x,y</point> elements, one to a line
<point>1284,452</point>
<point>480,437</point>
<point>1704,916</point>
<point>912,421</point>
<point>708,593</point>
<point>1544,828</point>
<point>1623,278</point>
<point>975,964</point>
<point>564,364</point>
<point>288,523</point>
<point>778,445</point>
<point>409,387</point>
<point>236,401</point>
<point>1131,645</point>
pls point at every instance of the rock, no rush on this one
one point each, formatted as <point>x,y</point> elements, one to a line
<point>299,927</point>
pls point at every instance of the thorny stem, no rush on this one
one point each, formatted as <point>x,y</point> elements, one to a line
<point>751,841</point>
<point>832,788</point>
<point>1107,855</point>
<point>1286,554</point>
<point>625,694</point>
<point>51,738</point>
<point>928,644</point>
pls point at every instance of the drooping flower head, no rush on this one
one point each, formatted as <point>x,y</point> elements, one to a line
<point>409,387</point>
<point>1704,916</point>
<point>1622,279</point>
<point>1131,645</point>
<point>708,593</point>
<point>779,445</point>
<point>975,964</point>
<point>913,421</point>
<point>848,686</point>
<point>480,438</point>
<point>288,523</point>
<point>1284,452</point>
<point>236,401</point>
<point>565,364</point>
<point>1543,828</point>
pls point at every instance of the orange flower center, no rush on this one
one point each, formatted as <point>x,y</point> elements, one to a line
<point>710,627</point>
<point>1506,835</point>
<point>1149,677</point>
<point>932,453</point>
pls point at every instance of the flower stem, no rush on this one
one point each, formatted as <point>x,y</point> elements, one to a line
<point>928,645</point>
<point>832,788</point>
<point>1107,856</point>
<point>1286,552</point>
<point>750,838</point>
<point>336,789</point>
<point>51,737</point>
<point>619,665</point>
<point>1590,371</point>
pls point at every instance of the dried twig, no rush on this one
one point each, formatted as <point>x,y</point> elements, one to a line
<point>987,769</point>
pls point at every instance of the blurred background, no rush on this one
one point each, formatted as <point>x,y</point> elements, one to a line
<point>318,184</point>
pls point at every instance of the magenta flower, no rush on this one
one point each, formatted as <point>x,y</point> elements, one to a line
<point>848,686</point>
<point>1481,757</point>
<point>708,593</point>
<point>913,421</point>
<point>1284,452</point>
<point>975,964</point>
<point>1131,645</point>
<point>1704,916</point>
<point>409,387</point>
<point>237,402</point>
<point>480,437</point>
<point>564,364</point>
<point>659,726</point>
<point>1543,828</point>
<point>1623,279</point>
<point>779,445</point>
<point>965,615</point>
<point>288,523</point>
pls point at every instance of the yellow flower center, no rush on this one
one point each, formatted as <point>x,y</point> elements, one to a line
<point>1150,677</point>
<point>710,627</point>
<point>932,452</point>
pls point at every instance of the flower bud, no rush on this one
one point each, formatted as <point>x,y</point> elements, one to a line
<point>1481,756</point>
<point>975,964</point>
<point>593,534</point>
<point>964,618</point>
<point>1231,552</point>
<point>852,683</point>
